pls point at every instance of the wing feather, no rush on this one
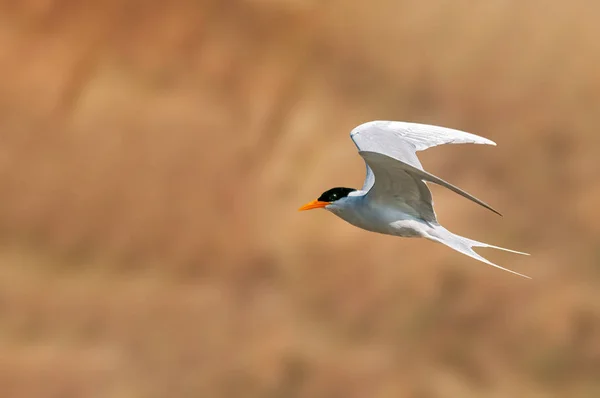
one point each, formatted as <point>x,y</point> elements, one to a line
<point>382,164</point>
<point>401,140</point>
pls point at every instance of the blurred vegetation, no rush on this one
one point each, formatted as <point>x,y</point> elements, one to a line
<point>153,156</point>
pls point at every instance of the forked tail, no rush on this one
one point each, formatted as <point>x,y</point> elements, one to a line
<point>466,245</point>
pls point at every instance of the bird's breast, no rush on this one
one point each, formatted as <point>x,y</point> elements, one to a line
<point>379,218</point>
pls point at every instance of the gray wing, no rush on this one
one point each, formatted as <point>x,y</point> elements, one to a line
<point>397,185</point>
<point>401,140</point>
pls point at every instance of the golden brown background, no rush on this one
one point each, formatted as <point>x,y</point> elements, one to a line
<point>153,155</point>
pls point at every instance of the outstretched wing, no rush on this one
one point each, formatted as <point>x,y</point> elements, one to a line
<point>398,186</point>
<point>401,140</point>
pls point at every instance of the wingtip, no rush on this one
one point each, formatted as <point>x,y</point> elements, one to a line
<point>490,208</point>
<point>487,141</point>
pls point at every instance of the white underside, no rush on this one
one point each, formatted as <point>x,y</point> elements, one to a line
<point>379,217</point>
<point>395,219</point>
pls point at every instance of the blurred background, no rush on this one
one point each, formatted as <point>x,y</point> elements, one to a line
<point>153,155</point>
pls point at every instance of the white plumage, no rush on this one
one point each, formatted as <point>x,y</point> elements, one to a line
<point>394,199</point>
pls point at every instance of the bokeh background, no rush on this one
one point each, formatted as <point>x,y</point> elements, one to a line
<point>153,155</point>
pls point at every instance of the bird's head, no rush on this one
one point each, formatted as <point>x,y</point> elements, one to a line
<point>329,199</point>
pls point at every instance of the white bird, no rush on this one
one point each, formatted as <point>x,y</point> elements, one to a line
<point>394,199</point>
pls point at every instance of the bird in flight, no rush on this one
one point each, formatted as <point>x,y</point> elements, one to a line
<point>395,199</point>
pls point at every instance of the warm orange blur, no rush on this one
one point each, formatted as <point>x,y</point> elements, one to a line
<point>153,156</point>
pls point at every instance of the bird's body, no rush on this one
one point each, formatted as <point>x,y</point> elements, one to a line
<point>394,199</point>
<point>389,219</point>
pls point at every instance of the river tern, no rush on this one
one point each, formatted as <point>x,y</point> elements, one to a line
<point>395,199</point>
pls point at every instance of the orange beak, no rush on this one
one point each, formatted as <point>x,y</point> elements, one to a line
<point>315,204</point>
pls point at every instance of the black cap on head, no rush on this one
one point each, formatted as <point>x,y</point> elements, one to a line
<point>335,194</point>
